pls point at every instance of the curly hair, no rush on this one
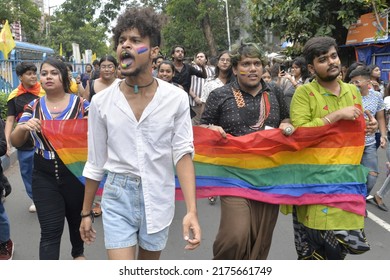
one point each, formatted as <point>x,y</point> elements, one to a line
<point>145,20</point>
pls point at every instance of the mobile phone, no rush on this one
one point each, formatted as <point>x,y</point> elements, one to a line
<point>282,68</point>
<point>75,74</point>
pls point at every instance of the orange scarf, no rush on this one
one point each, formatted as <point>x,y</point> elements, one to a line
<point>36,90</point>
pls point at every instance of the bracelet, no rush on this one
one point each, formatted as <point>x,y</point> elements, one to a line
<point>78,83</point>
<point>327,119</point>
<point>90,214</point>
<point>384,137</point>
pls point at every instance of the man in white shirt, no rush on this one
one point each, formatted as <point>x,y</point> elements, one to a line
<point>138,130</point>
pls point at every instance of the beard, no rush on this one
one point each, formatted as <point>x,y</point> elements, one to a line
<point>134,73</point>
<point>329,77</point>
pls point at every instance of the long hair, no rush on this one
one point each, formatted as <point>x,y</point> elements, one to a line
<point>230,70</point>
<point>300,61</point>
<point>60,66</point>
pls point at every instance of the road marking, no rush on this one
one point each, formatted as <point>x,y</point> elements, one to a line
<point>379,221</point>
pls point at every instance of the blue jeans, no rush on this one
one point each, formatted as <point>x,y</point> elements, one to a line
<point>26,165</point>
<point>124,218</point>
<point>370,160</point>
<point>4,224</point>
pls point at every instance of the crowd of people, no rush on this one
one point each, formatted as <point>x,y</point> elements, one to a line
<point>151,102</point>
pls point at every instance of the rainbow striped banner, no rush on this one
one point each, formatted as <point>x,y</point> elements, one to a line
<point>69,139</point>
<point>317,165</point>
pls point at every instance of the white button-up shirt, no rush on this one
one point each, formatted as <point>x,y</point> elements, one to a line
<point>148,148</point>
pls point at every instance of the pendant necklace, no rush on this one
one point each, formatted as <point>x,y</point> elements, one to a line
<point>136,87</point>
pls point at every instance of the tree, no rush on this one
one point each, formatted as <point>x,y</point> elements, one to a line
<point>75,21</point>
<point>199,25</point>
<point>26,12</point>
<point>297,21</point>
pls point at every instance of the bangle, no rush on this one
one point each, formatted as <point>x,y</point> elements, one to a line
<point>384,137</point>
<point>78,83</point>
<point>327,119</point>
<point>90,214</point>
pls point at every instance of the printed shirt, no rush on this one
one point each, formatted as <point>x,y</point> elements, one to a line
<point>374,103</point>
<point>148,147</point>
<point>209,86</point>
<point>310,103</point>
<point>221,109</point>
<point>76,109</point>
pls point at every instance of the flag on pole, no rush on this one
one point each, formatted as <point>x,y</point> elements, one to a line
<point>7,42</point>
<point>60,49</point>
<point>93,57</point>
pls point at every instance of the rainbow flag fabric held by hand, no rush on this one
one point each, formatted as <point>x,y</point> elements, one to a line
<point>69,139</point>
<point>317,165</point>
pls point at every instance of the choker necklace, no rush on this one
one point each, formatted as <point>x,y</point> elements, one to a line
<point>136,87</point>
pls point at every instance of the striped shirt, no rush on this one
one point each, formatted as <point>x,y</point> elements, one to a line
<point>76,109</point>
<point>198,82</point>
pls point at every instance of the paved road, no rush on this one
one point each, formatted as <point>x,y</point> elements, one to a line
<point>25,230</point>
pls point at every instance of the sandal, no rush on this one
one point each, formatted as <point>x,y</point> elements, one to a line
<point>381,206</point>
<point>97,210</point>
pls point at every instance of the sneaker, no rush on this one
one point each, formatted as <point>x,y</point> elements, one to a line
<point>32,208</point>
<point>6,250</point>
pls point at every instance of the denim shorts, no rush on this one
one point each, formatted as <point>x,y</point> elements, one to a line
<point>124,221</point>
<point>370,158</point>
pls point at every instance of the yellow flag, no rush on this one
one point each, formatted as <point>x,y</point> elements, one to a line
<point>7,43</point>
<point>60,49</point>
<point>93,57</point>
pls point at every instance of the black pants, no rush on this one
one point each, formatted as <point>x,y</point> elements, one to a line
<point>57,194</point>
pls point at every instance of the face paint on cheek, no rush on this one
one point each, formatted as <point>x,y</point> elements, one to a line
<point>242,73</point>
<point>142,49</point>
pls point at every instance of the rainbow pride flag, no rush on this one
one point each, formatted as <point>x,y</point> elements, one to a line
<point>69,139</point>
<point>317,165</point>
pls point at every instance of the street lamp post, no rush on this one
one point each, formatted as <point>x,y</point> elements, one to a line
<point>48,21</point>
<point>227,24</point>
